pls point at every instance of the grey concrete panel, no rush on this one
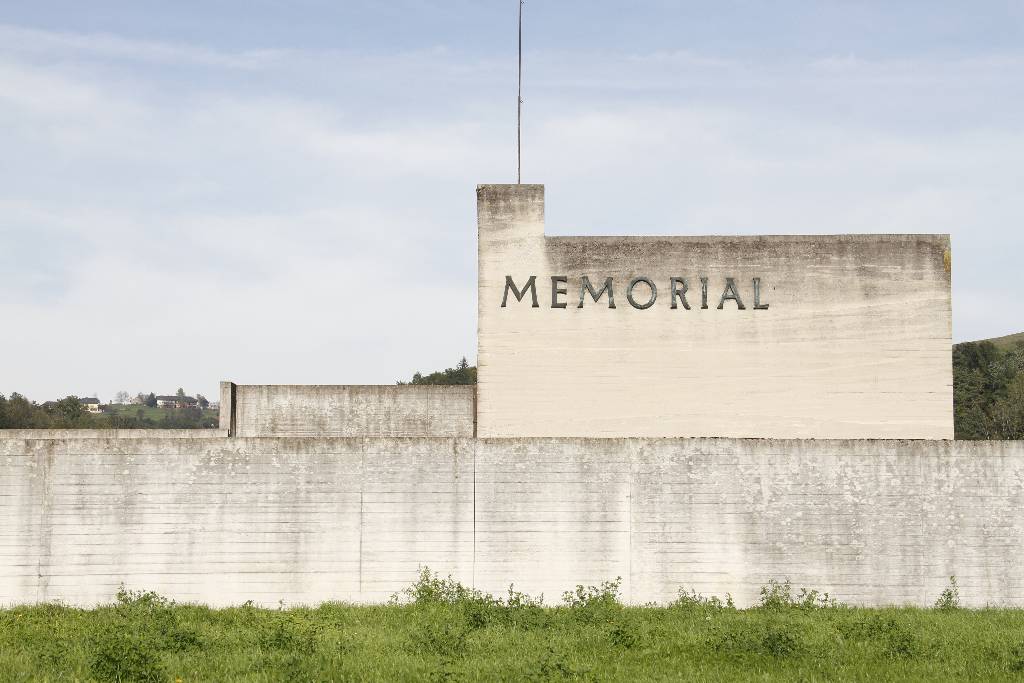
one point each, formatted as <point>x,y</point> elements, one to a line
<point>351,410</point>
<point>222,521</point>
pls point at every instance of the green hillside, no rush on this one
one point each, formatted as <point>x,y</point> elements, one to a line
<point>1009,342</point>
<point>988,388</point>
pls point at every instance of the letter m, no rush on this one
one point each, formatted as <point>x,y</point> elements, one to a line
<point>531,285</point>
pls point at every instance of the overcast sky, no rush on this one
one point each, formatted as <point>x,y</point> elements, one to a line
<point>283,192</point>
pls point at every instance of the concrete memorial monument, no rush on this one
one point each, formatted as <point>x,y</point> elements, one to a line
<point>826,336</point>
<point>821,364</point>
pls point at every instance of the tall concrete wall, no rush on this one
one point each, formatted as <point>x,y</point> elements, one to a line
<point>349,410</point>
<point>224,520</point>
<point>846,336</point>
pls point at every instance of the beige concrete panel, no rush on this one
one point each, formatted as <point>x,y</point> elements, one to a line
<point>222,521</point>
<point>350,410</point>
<point>855,342</point>
<point>551,514</point>
<point>417,511</point>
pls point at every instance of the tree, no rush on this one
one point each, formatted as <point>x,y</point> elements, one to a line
<point>68,411</point>
<point>181,393</point>
<point>151,400</point>
<point>24,414</point>
<point>203,402</point>
<point>121,397</point>
<point>1008,412</point>
<point>462,373</point>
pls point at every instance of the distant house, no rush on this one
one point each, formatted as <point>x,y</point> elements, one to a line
<point>176,401</point>
<point>92,405</point>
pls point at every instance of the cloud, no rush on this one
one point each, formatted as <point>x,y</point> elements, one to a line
<point>38,43</point>
<point>308,216</point>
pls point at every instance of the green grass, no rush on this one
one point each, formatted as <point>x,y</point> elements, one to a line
<point>448,632</point>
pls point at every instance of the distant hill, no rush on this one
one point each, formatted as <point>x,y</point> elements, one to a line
<point>1008,342</point>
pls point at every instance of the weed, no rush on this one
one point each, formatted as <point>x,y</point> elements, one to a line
<point>607,594</point>
<point>1017,658</point>
<point>123,654</point>
<point>431,589</point>
<point>130,645</point>
<point>777,596</point>
<point>622,636</point>
<point>694,600</point>
<point>772,639</point>
<point>892,639</point>
<point>778,641</point>
<point>554,666</point>
<point>446,639</point>
<point>949,598</point>
<point>285,631</point>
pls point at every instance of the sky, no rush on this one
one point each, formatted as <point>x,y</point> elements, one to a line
<point>284,192</point>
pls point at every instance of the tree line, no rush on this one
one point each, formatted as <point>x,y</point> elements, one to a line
<point>988,399</point>
<point>462,373</point>
<point>988,391</point>
<point>18,412</point>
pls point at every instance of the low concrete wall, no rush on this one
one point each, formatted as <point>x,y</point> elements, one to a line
<point>224,520</point>
<point>352,410</point>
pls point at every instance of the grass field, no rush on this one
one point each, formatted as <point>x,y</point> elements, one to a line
<point>442,631</point>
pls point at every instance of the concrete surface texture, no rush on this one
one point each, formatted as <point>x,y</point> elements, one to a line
<point>840,336</point>
<point>224,520</point>
<point>327,410</point>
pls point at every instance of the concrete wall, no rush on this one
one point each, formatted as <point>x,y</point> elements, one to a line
<point>855,342</point>
<point>224,520</point>
<point>350,410</point>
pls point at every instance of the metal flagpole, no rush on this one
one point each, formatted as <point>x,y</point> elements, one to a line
<point>519,103</point>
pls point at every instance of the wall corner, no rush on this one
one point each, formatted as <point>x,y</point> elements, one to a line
<point>227,407</point>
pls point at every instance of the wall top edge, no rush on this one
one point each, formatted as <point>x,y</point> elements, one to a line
<point>207,434</point>
<point>458,388</point>
<point>120,434</point>
<point>509,186</point>
<point>844,237</point>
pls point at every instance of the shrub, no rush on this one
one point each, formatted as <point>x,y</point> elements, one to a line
<point>1017,658</point>
<point>622,636</point>
<point>478,609</point>
<point>694,600</point>
<point>121,653</point>
<point>130,646</point>
<point>445,639</point>
<point>607,594</point>
<point>772,639</point>
<point>949,598</point>
<point>288,632</point>
<point>896,641</point>
<point>777,596</point>
<point>431,589</point>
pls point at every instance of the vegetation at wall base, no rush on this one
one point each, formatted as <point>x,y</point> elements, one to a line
<point>440,630</point>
